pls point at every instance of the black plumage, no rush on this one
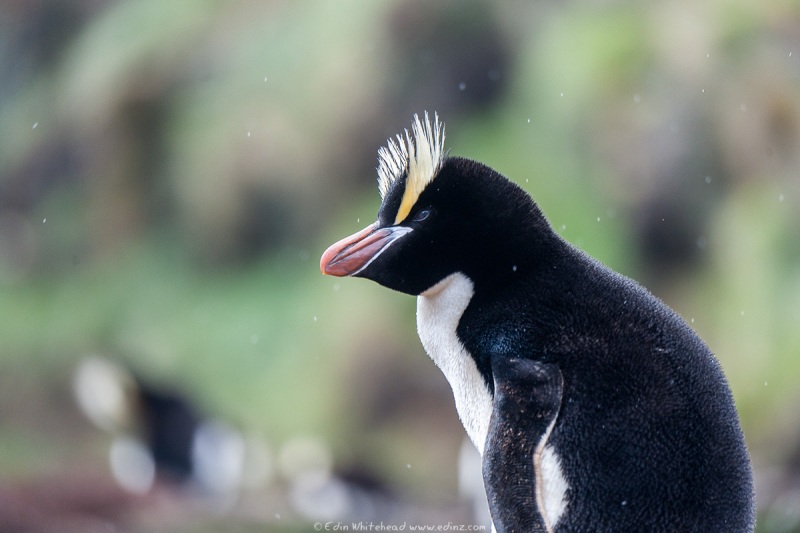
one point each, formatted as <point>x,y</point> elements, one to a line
<point>527,398</point>
<point>620,409</point>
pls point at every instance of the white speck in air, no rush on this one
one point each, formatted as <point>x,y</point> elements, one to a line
<point>248,134</point>
<point>708,179</point>
<point>636,98</point>
<point>741,313</point>
<point>45,219</point>
<point>254,339</point>
<point>315,319</point>
<point>408,465</point>
<point>35,125</point>
<point>513,268</point>
<point>562,94</point>
<point>780,197</point>
<point>336,287</point>
<point>462,86</point>
<point>529,121</point>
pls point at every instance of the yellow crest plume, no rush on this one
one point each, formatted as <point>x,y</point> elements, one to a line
<point>421,156</point>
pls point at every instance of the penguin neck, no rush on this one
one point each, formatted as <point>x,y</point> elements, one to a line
<point>504,253</point>
<point>439,310</point>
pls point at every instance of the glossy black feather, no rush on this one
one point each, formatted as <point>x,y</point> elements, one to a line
<point>647,434</point>
<point>527,398</point>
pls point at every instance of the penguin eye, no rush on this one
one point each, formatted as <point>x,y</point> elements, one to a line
<point>422,215</point>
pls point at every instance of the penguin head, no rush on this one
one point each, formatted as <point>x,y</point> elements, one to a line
<point>439,215</point>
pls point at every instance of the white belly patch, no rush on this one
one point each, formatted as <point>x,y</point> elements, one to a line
<point>551,487</point>
<point>438,311</point>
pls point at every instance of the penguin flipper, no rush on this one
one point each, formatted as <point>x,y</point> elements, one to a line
<point>527,398</point>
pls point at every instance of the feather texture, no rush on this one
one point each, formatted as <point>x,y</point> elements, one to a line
<point>418,157</point>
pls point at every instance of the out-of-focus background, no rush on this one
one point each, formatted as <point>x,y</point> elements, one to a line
<point>170,173</point>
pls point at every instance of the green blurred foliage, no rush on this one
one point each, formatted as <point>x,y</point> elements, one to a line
<point>170,173</point>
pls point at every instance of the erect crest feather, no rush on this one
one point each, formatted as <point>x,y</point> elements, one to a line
<point>420,155</point>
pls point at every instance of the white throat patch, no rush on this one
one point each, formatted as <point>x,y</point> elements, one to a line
<point>438,311</point>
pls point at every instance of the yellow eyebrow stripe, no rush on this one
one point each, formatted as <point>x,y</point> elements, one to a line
<point>409,199</point>
<point>424,160</point>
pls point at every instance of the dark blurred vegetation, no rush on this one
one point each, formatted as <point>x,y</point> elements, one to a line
<point>170,173</point>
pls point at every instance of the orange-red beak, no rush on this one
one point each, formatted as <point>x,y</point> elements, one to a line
<point>352,254</point>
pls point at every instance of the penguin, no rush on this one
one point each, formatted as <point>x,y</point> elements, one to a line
<point>160,434</point>
<point>594,406</point>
